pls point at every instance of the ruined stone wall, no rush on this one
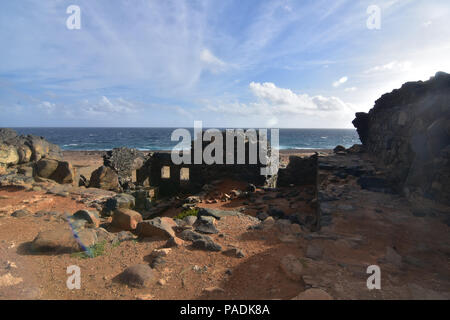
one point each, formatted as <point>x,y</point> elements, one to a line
<point>408,131</point>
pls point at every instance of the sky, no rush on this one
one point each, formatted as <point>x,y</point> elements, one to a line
<point>241,64</point>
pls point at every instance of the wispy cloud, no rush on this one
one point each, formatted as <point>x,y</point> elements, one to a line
<point>340,82</point>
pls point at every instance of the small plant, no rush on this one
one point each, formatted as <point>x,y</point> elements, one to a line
<point>94,251</point>
<point>186,213</point>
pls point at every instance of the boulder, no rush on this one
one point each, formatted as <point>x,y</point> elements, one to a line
<point>207,244</point>
<point>104,178</point>
<point>46,167</point>
<point>161,227</point>
<point>137,276</point>
<point>64,173</point>
<point>59,171</point>
<point>55,241</point>
<point>8,155</point>
<point>119,201</point>
<point>126,219</point>
<point>205,224</point>
<point>90,216</point>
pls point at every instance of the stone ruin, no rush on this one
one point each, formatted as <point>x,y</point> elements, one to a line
<point>160,172</point>
<point>156,170</point>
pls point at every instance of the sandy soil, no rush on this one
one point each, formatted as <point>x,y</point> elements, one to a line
<point>364,225</point>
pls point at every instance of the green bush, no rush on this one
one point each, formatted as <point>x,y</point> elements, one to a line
<point>96,250</point>
<point>186,213</point>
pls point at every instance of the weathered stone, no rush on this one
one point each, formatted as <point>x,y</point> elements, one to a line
<point>120,201</point>
<point>190,235</point>
<point>189,220</point>
<point>157,227</point>
<point>64,173</point>
<point>206,225</point>
<point>174,242</point>
<point>90,216</point>
<point>207,244</point>
<point>20,213</point>
<point>8,154</point>
<point>55,241</point>
<point>104,178</point>
<point>138,276</point>
<point>126,219</point>
<point>234,252</point>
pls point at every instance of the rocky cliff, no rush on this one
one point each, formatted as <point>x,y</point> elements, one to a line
<point>408,130</point>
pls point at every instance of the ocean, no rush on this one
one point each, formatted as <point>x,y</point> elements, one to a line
<point>159,138</point>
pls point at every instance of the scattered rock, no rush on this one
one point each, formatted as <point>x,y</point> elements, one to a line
<point>234,252</point>
<point>189,220</point>
<point>55,241</point>
<point>206,225</point>
<point>20,213</point>
<point>206,243</point>
<point>90,216</point>
<point>174,242</point>
<point>157,227</point>
<point>126,219</point>
<point>120,201</point>
<point>104,178</point>
<point>137,276</point>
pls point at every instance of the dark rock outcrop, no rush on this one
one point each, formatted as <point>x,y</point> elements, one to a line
<point>300,171</point>
<point>409,132</point>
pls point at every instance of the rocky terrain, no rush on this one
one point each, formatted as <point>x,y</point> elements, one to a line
<point>141,228</point>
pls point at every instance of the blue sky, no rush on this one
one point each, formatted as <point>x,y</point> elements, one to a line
<point>248,63</point>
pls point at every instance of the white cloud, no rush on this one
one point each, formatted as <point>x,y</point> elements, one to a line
<point>108,106</point>
<point>273,100</point>
<point>47,106</point>
<point>427,24</point>
<point>211,62</point>
<point>340,81</point>
<point>391,66</point>
<point>351,89</point>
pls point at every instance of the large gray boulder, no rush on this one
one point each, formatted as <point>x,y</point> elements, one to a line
<point>104,178</point>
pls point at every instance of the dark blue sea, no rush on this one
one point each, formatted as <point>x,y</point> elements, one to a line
<point>159,138</point>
